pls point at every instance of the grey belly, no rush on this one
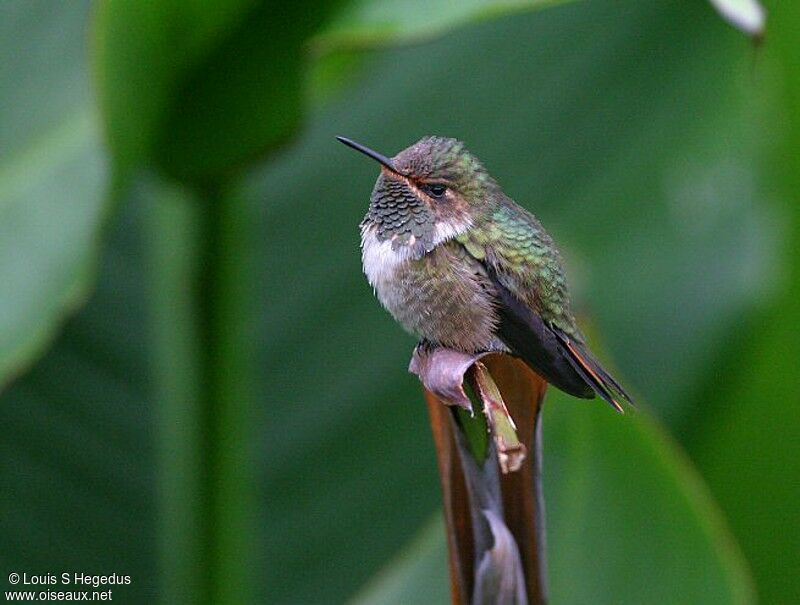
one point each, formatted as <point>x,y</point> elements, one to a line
<point>445,298</point>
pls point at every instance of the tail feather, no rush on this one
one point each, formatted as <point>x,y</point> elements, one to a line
<point>593,373</point>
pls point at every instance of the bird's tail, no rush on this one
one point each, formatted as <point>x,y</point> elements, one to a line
<point>588,368</point>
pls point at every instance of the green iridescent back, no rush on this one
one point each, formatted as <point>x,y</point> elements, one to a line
<point>525,258</point>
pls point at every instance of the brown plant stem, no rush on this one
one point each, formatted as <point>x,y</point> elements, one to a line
<point>522,501</point>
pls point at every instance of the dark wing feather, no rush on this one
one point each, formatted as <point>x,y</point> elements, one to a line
<point>526,334</point>
<point>563,362</point>
<point>532,301</point>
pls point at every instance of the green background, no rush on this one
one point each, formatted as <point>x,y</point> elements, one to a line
<point>201,391</point>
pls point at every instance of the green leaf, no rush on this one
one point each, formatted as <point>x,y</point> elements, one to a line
<point>380,22</point>
<point>418,574</point>
<point>619,485</point>
<point>746,446</point>
<point>677,549</point>
<point>77,464</point>
<point>745,441</point>
<point>142,54</point>
<point>52,175</point>
<point>200,90</point>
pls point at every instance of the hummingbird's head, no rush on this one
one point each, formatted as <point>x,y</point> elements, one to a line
<point>426,194</point>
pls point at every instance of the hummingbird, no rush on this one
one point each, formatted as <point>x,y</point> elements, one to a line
<point>460,265</point>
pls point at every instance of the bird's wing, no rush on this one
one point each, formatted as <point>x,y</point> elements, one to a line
<point>532,302</point>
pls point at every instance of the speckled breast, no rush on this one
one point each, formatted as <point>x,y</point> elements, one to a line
<point>443,297</point>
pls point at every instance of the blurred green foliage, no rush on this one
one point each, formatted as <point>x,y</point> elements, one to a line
<point>229,417</point>
<point>52,174</point>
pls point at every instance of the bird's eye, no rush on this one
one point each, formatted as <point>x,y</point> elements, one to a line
<point>435,190</point>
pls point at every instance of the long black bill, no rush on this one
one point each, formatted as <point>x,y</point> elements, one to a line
<point>369,153</point>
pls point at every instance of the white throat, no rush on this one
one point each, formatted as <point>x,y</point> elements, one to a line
<point>380,260</point>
